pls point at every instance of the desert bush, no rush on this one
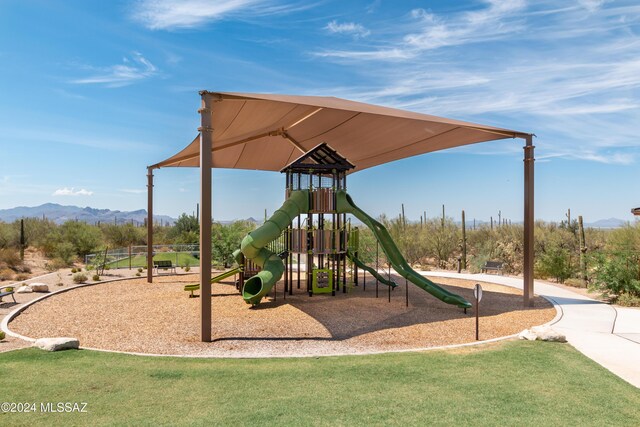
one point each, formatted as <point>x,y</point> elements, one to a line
<point>9,258</point>
<point>84,237</point>
<point>576,283</point>
<point>22,276</point>
<point>65,252</point>
<point>74,270</point>
<point>627,300</point>
<point>226,238</point>
<point>616,274</point>
<point>79,278</point>
<point>554,263</point>
<point>441,240</point>
<point>55,264</point>
<point>123,235</point>
<point>140,270</point>
<point>96,278</point>
<point>6,274</point>
<point>185,231</point>
<point>2,335</point>
<point>138,274</point>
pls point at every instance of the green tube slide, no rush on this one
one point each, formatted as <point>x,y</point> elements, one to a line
<point>253,247</point>
<point>371,271</point>
<point>345,205</point>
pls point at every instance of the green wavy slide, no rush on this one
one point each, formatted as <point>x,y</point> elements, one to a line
<point>345,205</point>
<point>253,247</point>
<point>216,279</point>
<point>371,271</point>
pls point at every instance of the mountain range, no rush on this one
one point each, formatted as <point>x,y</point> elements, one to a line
<point>59,214</point>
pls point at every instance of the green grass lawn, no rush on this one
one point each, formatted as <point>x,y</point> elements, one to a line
<point>515,383</point>
<point>141,260</point>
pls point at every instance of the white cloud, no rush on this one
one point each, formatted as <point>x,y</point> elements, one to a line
<point>569,75</point>
<point>131,70</point>
<point>592,5</point>
<point>133,190</point>
<point>170,14</point>
<point>351,28</point>
<point>72,192</point>
<point>498,19</point>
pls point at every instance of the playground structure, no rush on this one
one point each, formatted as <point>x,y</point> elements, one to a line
<point>265,132</point>
<point>316,188</point>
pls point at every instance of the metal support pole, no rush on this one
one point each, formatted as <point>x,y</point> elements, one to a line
<point>406,292</point>
<point>389,287</point>
<point>364,280</point>
<point>528,221</point>
<point>377,250</point>
<point>149,225</point>
<point>206,214</point>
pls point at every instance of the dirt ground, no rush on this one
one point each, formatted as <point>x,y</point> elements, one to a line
<point>159,318</point>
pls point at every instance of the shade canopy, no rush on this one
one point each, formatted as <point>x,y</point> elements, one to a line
<point>267,132</point>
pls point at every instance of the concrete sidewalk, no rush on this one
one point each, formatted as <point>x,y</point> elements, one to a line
<point>609,335</point>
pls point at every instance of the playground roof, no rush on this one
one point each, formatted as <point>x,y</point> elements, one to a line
<point>268,132</point>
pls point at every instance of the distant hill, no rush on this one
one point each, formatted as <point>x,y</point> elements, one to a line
<point>607,223</point>
<point>59,214</point>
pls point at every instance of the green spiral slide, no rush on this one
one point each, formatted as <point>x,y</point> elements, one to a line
<point>345,205</point>
<point>253,247</point>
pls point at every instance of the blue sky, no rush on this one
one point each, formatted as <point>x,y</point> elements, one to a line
<point>93,92</point>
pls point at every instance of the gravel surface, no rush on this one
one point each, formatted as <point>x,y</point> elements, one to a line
<point>159,318</point>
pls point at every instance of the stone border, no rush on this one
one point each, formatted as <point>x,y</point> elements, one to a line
<point>4,326</point>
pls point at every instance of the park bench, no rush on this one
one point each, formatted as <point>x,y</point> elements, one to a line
<point>6,291</point>
<point>492,266</point>
<point>163,265</point>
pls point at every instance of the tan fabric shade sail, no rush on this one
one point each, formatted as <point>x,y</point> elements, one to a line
<point>267,132</point>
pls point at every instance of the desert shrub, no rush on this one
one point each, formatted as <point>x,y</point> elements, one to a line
<point>23,268</point>
<point>554,263</point>
<point>79,278</point>
<point>187,268</point>
<point>22,276</point>
<point>84,237</point>
<point>74,270</point>
<point>96,278</point>
<point>2,335</point>
<point>226,238</point>
<point>55,264</point>
<point>9,258</point>
<point>616,274</point>
<point>576,283</point>
<point>628,300</point>
<point>6,274</point>
<point>185,231</point>
<point>123,235</point>
<point>65,252</point>
<point>140,270</point>
<point>441,240</point>
<point>138,274</point>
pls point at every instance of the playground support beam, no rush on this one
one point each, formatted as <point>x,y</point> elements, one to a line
<point>206,143</point>
<point>149,225</point>
<point>528,221</point>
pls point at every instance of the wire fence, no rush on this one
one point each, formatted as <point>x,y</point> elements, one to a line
<point>136,256</point>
